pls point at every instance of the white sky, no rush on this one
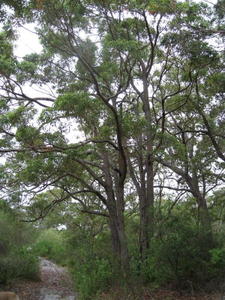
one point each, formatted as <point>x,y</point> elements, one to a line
<point>27,41</point>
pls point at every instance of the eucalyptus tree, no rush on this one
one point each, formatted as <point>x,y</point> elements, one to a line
<point>193,119</point>
<point>195,164</point>
<point>118,78</point>
<point>112,70</point>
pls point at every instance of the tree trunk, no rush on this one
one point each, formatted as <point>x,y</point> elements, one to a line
<point>147,202</point>
<point>146,197</point>
<point>119,240</point>
<point>115,204</point>
<point>205,227</point>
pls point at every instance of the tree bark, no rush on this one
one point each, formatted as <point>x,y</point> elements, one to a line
<point>119,240</point>
<point>147,199</point>
<point>115,205</point>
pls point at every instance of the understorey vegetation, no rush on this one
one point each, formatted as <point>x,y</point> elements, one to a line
<point>112,140</point>
<point>17,260</point>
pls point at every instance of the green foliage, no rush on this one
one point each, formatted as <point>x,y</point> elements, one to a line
<point>86,50</point>
<point>218,257</point>
<point>78,104</point>
<point>162,6</point>
<point>34,167</point>
<point>50,244</point>
<point>28,135</point>
<point>27,68</point>
<point>177,256</point>
<point>124,45</point>
<point>178,253</point>
<point>16,258</point>
<point>220,8</point>
<point>7,62</point>
<point>22,264</point>
<point>201,54</point>
<point>92,276</point>
<point>90,256</point>
<point>215,83</point>
<point>15,117</point>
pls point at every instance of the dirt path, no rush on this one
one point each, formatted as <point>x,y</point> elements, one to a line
<point>55,284</point>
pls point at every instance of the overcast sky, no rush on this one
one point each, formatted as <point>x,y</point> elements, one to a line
<point>27,41</point>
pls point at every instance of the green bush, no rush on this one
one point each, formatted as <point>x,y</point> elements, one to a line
<point>217,262</point>
<point>51,244</point>
<point>92,276</point>
<point>176,256</point>
<point>91,262</point>
<point>27,263</point>
<point>16,260</point>
<point>19,264</point>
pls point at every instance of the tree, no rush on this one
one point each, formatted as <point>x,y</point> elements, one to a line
<point>193,118</point>
<point>123,73</point>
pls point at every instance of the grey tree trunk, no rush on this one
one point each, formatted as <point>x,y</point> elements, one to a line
<point>119,240</point>
<point>146,198</point>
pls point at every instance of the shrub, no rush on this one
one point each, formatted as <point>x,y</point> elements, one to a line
<point>92,276</point>
<point>27,263</point>
<point>51,244</point>
<point>217,262</point>
<point>16,261</point>
<point>91,262</point>
<point>176,256</point>
<point>18,265</point>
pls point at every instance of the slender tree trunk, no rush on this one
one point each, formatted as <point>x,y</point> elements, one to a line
<point>205,226</point>
<point>146,198</point>
<point>147,202</point>
<point>120,207</point>
<point>114,237</point>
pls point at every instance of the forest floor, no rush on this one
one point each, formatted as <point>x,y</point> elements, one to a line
<point>54,284</point>
<point>161,294</point>
<point>173,295</point>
